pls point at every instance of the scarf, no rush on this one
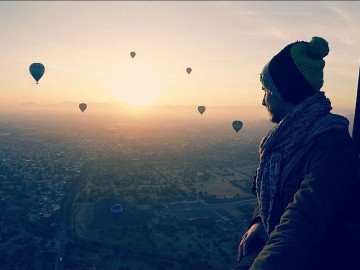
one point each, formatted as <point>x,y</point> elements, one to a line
<point>277,149</point>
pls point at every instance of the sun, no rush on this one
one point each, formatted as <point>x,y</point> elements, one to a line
<point>137,85</point>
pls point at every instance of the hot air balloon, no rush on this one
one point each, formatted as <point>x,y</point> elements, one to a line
<point>37,71</point>
<point>82,107</point>
<point>237,125</point>
<point>132,54</point>
<point>117,209</point>
<point>188,70</point>
<point>201,109</point>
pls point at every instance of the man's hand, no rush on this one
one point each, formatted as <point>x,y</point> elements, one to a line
<point>253,240</point>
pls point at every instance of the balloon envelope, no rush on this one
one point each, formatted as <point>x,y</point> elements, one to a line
<point>201,109</point>
<point>82,106</point>
<point>237,125</point>
<point>132,54</point>
<point>188,70</point>
<point>117,208</point>
<point>37,71</point>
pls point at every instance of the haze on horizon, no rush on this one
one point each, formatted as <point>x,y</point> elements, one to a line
<point>85,47</point>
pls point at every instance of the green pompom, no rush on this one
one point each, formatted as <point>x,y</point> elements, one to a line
<point>318,48</point>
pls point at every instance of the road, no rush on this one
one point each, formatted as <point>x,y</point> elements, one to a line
<point>190,207</point>
<point>61,238</point>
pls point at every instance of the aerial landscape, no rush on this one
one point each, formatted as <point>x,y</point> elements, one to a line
<point>185,189</point>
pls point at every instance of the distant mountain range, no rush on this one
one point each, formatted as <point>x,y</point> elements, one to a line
<point>119,105</point>
<point>248,112</point>
<point>63,104</point>
<point>253,112</point>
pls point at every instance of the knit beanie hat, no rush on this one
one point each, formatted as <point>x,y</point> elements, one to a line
<point>296,72</point>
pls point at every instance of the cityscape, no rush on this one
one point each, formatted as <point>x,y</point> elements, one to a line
<point>185,189</point>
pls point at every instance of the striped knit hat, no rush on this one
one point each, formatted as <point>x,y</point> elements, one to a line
<point>296,72</point>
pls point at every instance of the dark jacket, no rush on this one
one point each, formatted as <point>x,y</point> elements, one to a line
<point>308,220</point>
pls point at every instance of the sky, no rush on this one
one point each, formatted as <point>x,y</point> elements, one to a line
<point>85,47</point>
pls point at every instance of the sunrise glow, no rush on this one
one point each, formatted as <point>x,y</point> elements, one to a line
<point>136,85</point>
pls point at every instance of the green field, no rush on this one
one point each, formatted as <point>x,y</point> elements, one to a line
<point>161,219</point>
<point>95,222</point>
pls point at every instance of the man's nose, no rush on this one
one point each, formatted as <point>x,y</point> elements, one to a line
<point>263,101</point>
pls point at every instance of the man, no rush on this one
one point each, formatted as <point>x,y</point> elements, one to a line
<point>308,163</point>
